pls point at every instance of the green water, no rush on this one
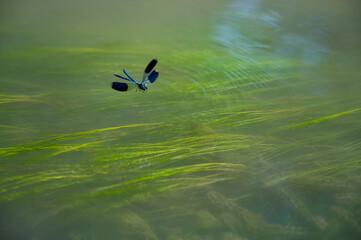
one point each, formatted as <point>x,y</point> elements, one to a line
<point>252,130</point>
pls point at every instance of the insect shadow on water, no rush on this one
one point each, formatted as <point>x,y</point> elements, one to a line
<point>148,78</point>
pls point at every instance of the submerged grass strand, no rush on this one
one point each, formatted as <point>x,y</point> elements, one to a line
<point>321,120</point>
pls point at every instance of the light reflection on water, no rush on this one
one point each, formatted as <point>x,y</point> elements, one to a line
<point>257,38</point>
<point>250,132</point>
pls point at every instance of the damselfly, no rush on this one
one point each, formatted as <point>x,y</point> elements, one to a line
<point>149,77</point>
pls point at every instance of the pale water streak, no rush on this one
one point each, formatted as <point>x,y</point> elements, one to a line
<point>252,130</point>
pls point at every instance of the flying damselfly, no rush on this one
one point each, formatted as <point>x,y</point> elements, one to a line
<point>149,77</point>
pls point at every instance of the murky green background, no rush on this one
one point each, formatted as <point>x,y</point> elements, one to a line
<point>252,130</point>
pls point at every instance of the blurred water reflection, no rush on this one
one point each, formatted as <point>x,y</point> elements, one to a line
<point>251,131</point>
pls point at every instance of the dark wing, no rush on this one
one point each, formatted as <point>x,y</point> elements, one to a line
<point>123,87</point>
<point>151,77</point>
<point>148,69</point>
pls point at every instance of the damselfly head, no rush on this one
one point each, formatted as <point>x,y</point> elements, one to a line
<point>142,87</point>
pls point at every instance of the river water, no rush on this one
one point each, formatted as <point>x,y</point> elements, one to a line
<point>252,130</point>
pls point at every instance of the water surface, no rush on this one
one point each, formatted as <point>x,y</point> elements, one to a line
<point>252,130</point>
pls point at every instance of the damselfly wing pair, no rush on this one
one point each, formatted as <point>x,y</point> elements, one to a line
<point>149,77</point>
